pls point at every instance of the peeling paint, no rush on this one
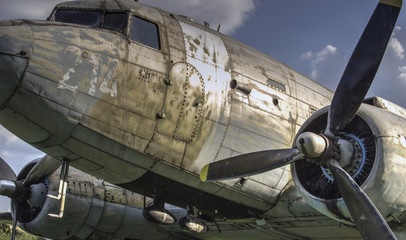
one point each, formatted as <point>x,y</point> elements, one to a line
<point>76,52</point>
<point>104,86</point>
<point>94,59</point>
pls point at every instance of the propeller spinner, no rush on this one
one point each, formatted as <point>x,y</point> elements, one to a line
<point>330,149</point>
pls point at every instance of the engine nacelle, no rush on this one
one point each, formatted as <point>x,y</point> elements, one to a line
<point>94,209</point>
<point>379,165</point>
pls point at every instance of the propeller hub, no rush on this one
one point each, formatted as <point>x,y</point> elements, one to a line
<point>311,144</point>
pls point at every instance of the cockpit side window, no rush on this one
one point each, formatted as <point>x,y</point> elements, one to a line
<point>108,20</point>
<point>88,18</point>
<point>145,32</point>
<point>115,21</point>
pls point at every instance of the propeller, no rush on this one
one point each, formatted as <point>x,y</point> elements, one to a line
<point>21,191</point>
<point>362,66</point>
<point>6,173</point>
<point>367,217</point>
<point>249,164</point>
<point>8,187</point>
<point>325,148</point>
<point>15,218</point>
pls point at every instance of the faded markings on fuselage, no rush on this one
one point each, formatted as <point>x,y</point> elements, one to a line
<point>66,77</point>
<point>104,86</point>
<point>95,74</point>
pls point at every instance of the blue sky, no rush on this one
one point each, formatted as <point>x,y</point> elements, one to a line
<point>315,37</point>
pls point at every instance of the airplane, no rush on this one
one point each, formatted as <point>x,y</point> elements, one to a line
<point>157,127</point>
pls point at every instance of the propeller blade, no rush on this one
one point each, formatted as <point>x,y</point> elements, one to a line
<point>6,173</point>
<point>249,164</point>
<point>362,66</point>
<point>15,219</point>
<point>366,216</point>
<point>45,167</point>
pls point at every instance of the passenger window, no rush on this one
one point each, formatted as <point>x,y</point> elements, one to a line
<point>87,18</point>
<point>115,21</point>
<point>145,32</point>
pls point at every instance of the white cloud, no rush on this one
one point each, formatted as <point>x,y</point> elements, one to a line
<point>390,81</point>
<point>397,48</point>
<point>307,55</point>
<point>396,29</point>
<point>230,14</point>
<point>15,151</point>
<point>324,54</point>
<point>402,74</point>
<point>318,59</point>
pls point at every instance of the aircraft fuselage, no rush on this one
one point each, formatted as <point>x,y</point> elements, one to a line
<point>147,113</point>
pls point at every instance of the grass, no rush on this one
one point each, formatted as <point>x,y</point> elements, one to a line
<point>5,234</point>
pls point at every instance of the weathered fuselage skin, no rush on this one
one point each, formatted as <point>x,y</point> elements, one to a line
<point>148,120</point>
<point>94,209</point>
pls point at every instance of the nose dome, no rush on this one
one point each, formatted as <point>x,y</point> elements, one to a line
<point>15,45</point>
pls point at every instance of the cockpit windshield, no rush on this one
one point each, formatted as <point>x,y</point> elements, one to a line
<point>87,18</point>
<point>115,21</point>
<point>140,30</point>
<point>109,20</point>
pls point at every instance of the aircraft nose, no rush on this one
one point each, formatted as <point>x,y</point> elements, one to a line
<point>15,46</point>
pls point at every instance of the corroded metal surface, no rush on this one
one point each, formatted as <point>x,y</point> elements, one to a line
<point>149,119</point>
<point>104,93</point>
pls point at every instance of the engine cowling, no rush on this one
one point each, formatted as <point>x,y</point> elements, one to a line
<point>378,164</point>
<point>94,209</point>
